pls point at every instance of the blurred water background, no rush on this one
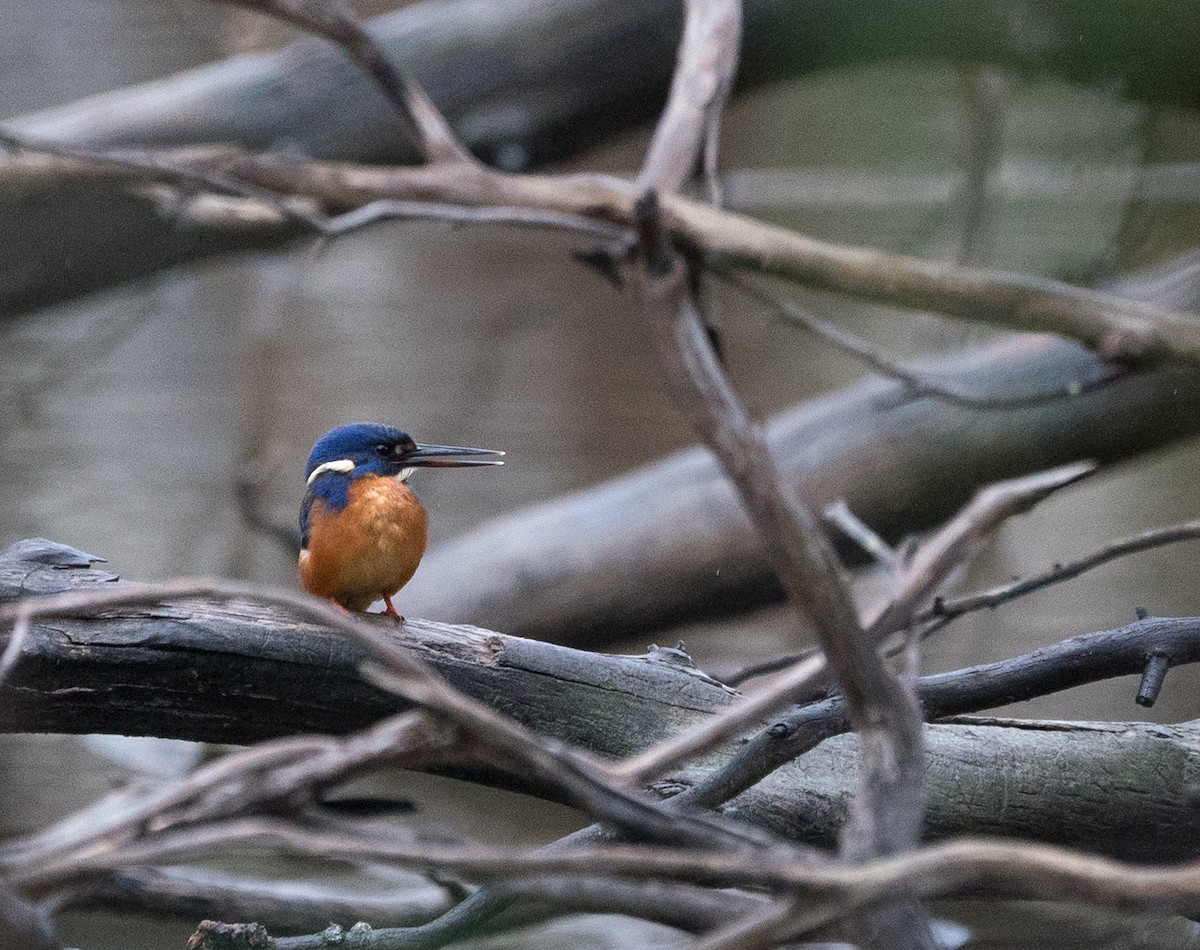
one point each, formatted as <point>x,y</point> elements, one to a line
<point>128,414</point>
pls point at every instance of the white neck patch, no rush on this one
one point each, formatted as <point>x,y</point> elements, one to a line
<point>339,465</point>
<point>402,475</point>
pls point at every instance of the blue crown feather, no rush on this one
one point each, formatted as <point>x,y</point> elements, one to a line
<point>356,442</point>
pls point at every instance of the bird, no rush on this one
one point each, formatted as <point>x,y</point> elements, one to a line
<point>362,529</point>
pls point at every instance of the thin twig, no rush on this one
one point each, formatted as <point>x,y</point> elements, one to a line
<point>839,515</point>
<point>424,124</point>
<point>916,383</point>
<point>174,167</point>
<point>951,608</point>
<point>942,553</point>
<point>953,543</point>
<point>944,610</point>
<point>1070,663</point>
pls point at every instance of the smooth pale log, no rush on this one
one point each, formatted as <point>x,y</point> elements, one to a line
<point>668,543</point>
<point>239,672</point>
<point>522,82</point>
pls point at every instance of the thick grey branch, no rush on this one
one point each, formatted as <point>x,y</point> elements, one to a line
<point>170,671</point>
<point>480,73</point>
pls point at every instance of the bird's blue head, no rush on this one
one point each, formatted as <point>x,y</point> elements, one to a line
<point>360,448</point>
<point>371,448</point>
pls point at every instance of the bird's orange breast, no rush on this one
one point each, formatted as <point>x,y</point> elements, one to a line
<point>368,549</point>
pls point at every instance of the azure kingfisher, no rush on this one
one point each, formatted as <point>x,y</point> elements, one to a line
<point>362,529</point>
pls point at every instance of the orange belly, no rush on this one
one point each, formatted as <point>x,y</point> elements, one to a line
<point>369,549</point>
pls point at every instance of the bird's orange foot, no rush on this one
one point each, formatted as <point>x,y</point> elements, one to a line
<point>390,610</point>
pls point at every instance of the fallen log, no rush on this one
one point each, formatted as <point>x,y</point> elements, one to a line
<point>239,672</point>
<point>668,543</point>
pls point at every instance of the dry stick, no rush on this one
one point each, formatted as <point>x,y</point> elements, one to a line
<point>201,167</point>
<point>284,774</point>
<point>1011,868</point>
<point>1073,662</point>
<point>199,893</point>
<point>917,383</point>
<point>889,796</point>
<point>953,544</point>
<point>945,610</point>
<point>886,814</point>
<point>839,515</point>
<point>335,21</point>
<point>177,167</point>
<point>1115,326</point>
<point>950,609</point>
<point>685,135</point>
<point>583,780</point>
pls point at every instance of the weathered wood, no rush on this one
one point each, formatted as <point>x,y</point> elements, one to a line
<point>669,543</point>
<point>239,672</point>
<point>522,83</point>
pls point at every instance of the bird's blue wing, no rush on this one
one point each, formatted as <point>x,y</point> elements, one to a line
<point>305,512</point>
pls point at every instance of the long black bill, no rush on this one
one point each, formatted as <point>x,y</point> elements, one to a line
<point>447,456</point>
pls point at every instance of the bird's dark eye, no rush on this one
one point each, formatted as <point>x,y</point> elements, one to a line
<point>383,449</point>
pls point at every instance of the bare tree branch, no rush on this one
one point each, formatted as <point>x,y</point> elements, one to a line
<point>951,608</point>
<point>296,675</point>
<point>581,778</point>
<point>197,893</point>
<point>1059,666</point>
<point>914,586</point>
<point>916,382</point>
<point>886,816</point>
<point>685,137</point>
<point>1011,869</point>
<point>1115,327</point>
<point>335,20</point>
